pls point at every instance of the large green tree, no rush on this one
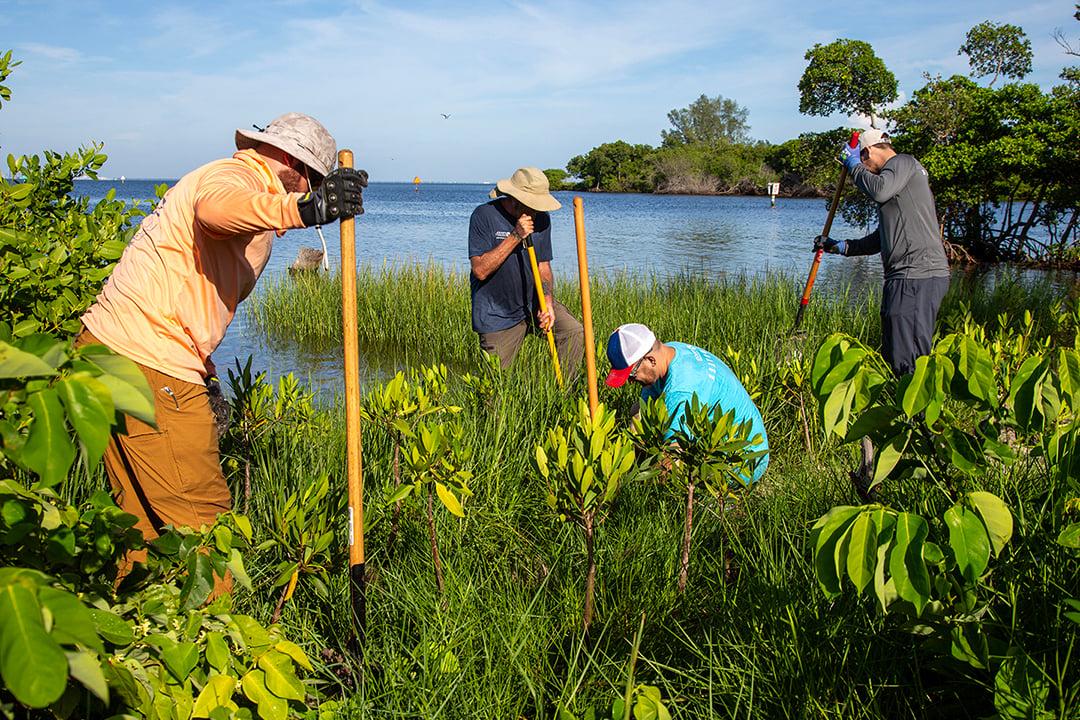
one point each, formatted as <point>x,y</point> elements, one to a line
<point>615,167</point>
<point>845,76</point>
<point>998,50</point>
<point>707,120</point>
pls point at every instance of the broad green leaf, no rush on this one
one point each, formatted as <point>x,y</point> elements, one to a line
<point>449,500</point>
<point>906,565</point>
<point>1070,536</point>
<point>253,634</point>
<point>295,652</point>
<point>217,693</point>
<point>995,515</point>
<point>862,551</point>
<point>181,659</point>
<point>90,410</point>
<point>1025,395</point>
<point>236,567</point>
<point>72,622</point>
<point>976,366</point>
<point>280,677</point>
<point>270,706</point>
<point>830,528</point>
<point>131,393</point>
<point>889,455</point>
<point>217,652</point>
<point>15,363</point>
<point>86,668</point>
<point>969,541</point>
<point>918,392</point>
<point>112,627</point>
<point>199,582</point>
<point>32,665</point>
<point>48,450</point>
<point>873,420</point>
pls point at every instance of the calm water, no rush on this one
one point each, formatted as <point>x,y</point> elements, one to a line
<point>661,234</point>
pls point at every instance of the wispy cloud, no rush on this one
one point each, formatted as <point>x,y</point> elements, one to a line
<point>51,52</point>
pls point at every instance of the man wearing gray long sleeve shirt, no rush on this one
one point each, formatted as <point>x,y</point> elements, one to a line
<point>908,238</point>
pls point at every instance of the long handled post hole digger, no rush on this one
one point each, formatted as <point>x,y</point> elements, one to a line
<point>353,457</point>
<point>543,305</point>
<point>805,300</point>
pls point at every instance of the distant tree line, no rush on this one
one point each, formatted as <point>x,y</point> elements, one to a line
<point>1004,161</point>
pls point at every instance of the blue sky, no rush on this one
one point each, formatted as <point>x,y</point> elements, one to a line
<point>164,85</point>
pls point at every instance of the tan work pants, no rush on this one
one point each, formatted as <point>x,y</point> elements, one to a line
<point>170,475</point>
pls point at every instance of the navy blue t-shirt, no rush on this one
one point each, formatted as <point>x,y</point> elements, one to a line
<point>508,296</point>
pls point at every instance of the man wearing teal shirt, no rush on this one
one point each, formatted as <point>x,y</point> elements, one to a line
<point>675,372</point>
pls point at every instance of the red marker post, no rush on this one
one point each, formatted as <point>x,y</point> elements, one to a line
<point>805,300</point>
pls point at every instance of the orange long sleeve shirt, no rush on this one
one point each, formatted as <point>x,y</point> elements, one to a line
<point>174,292</point>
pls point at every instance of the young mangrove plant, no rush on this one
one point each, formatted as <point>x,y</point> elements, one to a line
<point>397,406</point>
<point>302,535</point>
<point>435,459</point>
<point>707,449</point>
<point>583,465</point>
<point>966,414</point>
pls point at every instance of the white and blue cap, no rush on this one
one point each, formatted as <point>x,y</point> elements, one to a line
<point>626,346</point>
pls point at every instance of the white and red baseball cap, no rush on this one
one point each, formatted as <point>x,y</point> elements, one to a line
<point>626,346</point>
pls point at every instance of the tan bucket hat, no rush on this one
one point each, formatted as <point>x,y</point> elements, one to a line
<point>300,135</point>
<point>530,187</point>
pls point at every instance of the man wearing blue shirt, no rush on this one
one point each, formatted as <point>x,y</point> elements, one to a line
<point>504,297</point>
<point>675,372</point>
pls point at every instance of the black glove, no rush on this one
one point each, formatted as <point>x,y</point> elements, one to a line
<point>826,243</point>
<point>339,196</point>
<point>219,405</point>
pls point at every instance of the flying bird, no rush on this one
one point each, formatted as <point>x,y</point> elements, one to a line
<point>445,116</point>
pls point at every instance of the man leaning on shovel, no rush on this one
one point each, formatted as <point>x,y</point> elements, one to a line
<point>174,292</point>
<point>504,298</point>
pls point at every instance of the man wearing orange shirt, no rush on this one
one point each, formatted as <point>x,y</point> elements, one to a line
<point>174,292</point>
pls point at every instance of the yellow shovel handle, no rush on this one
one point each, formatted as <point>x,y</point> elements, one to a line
<point>543,309</point>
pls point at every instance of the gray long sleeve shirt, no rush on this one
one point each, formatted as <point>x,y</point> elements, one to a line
<point>907,236</point>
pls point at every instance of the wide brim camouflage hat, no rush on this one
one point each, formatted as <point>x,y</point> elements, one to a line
<point>300,135</point>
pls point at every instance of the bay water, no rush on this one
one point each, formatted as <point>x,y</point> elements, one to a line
<point>662,235</point>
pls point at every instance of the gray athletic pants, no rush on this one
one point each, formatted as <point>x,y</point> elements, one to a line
<point>908,312</point>
<point>569,340</point>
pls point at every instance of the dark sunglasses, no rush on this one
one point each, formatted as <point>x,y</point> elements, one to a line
<point>637,366</point>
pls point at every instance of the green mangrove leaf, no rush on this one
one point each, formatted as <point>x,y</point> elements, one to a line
<point>449,500</point>
<point>72,622</point>
<point>217,693</point>
<point>1070,536</point>
<point>862,551</point>
<point>280,677</point>
<point>32,665</point>
<point>906,565</point>
<point>48,450</point>
<point>86,668</point>
<point>830,528</point>
<point>90,410</point>
<point>889,456</point>
<point>969,541</point>
<point>16,363</point>
<point>995,515</point>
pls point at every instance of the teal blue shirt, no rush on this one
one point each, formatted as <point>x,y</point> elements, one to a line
<point>694,370</point>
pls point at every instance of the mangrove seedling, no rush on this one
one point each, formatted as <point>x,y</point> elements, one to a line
<point>434,458</point>
<point>707,448</point>
<point>397,406</point>
<point>583,465</point>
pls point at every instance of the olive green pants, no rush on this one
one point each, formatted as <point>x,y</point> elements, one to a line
<point>569,340</point>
